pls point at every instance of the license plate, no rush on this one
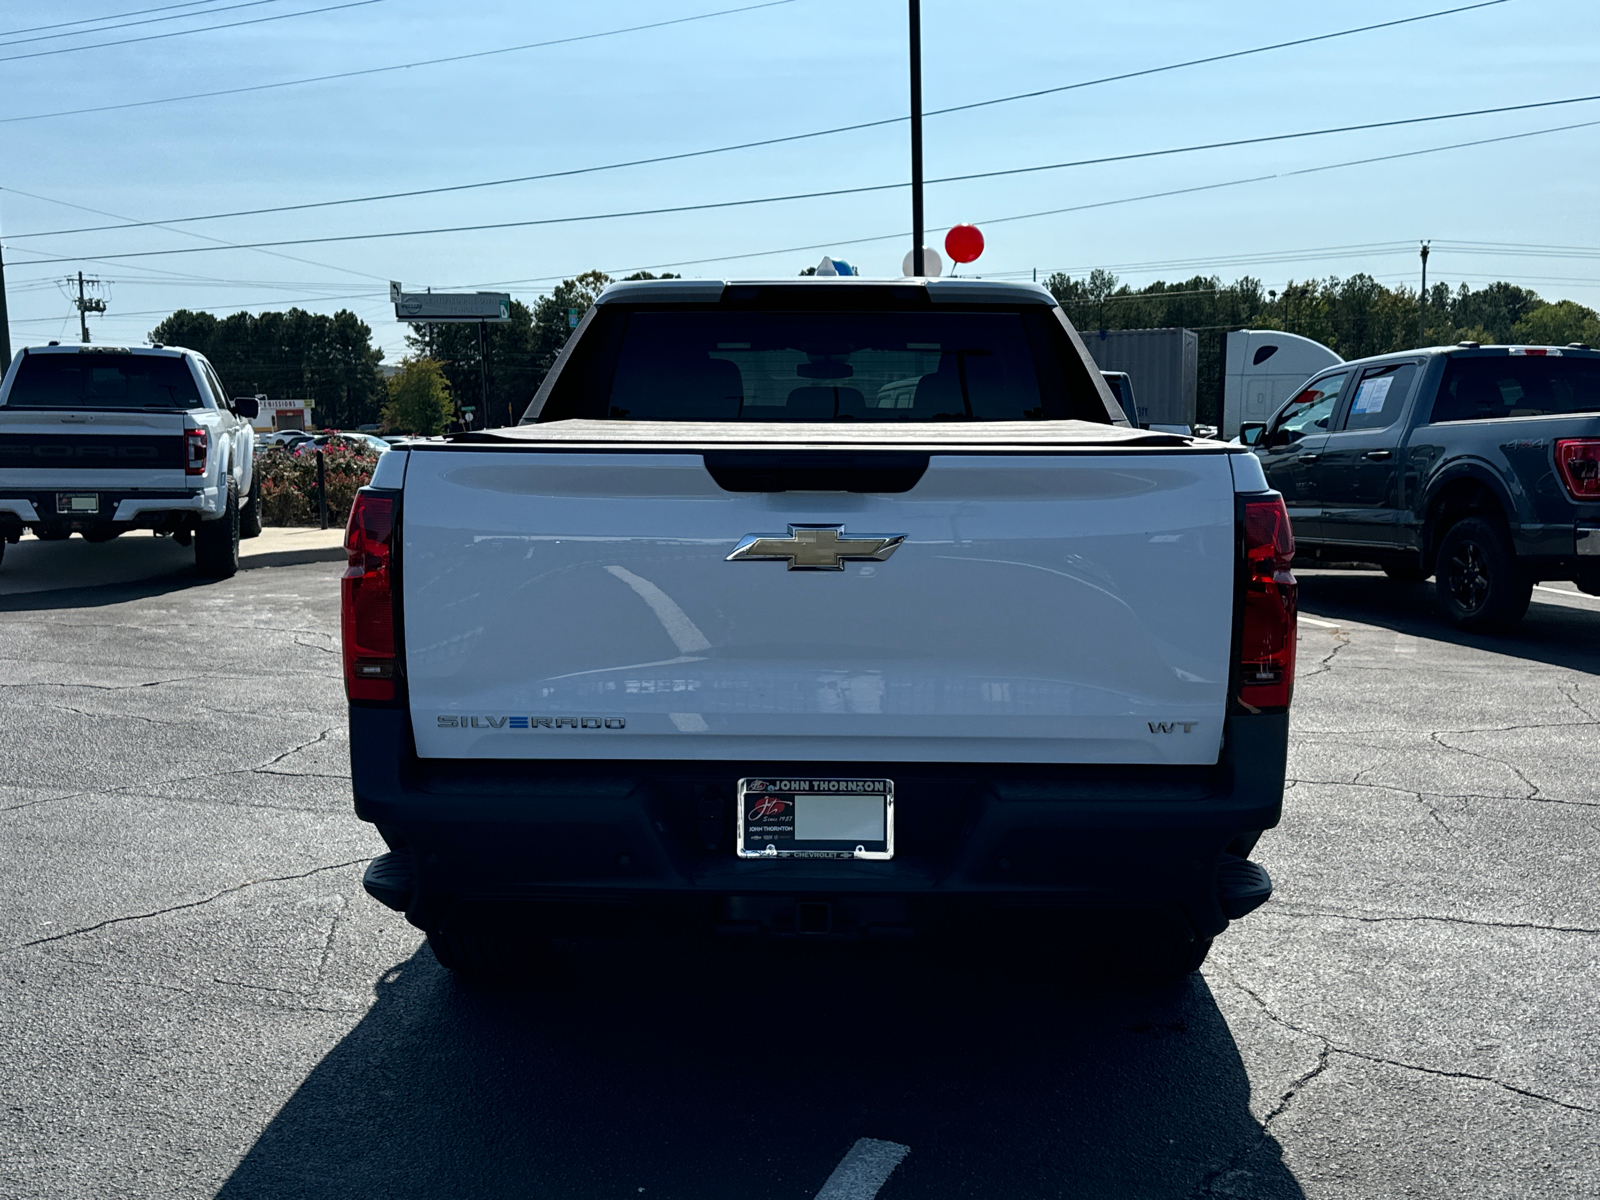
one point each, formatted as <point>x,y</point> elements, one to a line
<point>77,502</point>
<point>816,818</point>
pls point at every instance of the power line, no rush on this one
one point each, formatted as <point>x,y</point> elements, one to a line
<point>46,37</point>
<point>664,158</point>
<point>138,12</point>
<point>902,234</point>
<point>220,243</point>
<point>871,188</point>
<point>426,62</point>
<point>156,37</point>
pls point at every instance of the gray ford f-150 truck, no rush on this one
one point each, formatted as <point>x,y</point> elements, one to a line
<point>820,608</point>
<point>1476,464</point>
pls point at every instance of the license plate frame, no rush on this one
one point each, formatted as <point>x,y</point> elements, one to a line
<point>783,817</point>
<point>78,504</point>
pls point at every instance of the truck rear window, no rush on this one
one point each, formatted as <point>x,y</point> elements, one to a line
<point>95,380</point>
<point>1517,386</point>
<point>699,365</point>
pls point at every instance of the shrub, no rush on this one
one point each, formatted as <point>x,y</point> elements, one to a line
<point>289,482</point>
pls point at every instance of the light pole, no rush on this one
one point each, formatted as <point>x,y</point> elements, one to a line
<point>5,320</point>
<point>1422,301</point>
<point>917,266</point>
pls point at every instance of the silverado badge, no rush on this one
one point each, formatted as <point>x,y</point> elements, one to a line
<point>815,548</point>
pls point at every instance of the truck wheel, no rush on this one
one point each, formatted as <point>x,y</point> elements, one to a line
<point>250,514</point>
<point>1145,965</point>
<point>216,543</point>
<point>487,954</point>
<point>1482,586</point>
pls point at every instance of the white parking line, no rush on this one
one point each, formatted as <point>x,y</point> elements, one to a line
<point>1321,624</point>
<point>864,1169</point>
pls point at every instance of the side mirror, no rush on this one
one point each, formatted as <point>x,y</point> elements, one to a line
<point>247,407</point>
<point>1250,433</point>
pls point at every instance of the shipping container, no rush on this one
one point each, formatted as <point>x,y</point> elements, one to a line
<point>1163,364</point>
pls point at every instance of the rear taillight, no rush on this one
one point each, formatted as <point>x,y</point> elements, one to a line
<point>1578,460</point>
<point>194,458</point>
<point>367,600</point>
<point>1266,648</point>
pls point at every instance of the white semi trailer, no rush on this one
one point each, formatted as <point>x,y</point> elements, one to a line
<point>1263,368</point>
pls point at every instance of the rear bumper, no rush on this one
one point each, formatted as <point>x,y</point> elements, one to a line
<point>569,846</point>
<point>132,507</point>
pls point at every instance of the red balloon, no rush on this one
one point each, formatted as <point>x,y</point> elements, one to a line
<point>963,243</point>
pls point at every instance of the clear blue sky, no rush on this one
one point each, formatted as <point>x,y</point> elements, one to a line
<point>787,69</point>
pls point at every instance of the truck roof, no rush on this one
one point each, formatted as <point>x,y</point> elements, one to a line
<point>828,291</point>
<point>1572,350</point>
<point>96,348</point>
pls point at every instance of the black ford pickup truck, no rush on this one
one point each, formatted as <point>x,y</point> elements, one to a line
<point>1479,465</point>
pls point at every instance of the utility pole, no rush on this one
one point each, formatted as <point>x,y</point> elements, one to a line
<point>1422,298</point>
<point>5,320</point>
<point>918,268</point>
<point>86,306</point>
<point>483,371</point>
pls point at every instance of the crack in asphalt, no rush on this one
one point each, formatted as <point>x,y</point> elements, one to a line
<point>321,737</point>
<point>1386,787</point>
<point>1365,1056</point>
<point>107,687</point>
<point>160,912</point>
<point>1324,1060</point>
<point>1535,792</point>
<point>1420,797</point>
<point>1326,664</point>
<point>1374,918</point>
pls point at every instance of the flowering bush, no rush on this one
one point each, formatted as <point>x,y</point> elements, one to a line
<point>289,481</point>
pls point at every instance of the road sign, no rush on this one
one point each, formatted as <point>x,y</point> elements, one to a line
<point>445,308</point>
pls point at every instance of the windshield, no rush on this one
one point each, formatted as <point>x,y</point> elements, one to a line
<point>99,380</point>
<point>823,366</point>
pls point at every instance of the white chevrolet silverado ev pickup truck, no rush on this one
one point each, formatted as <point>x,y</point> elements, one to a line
<point>820,608</point>
<point>99,440</point>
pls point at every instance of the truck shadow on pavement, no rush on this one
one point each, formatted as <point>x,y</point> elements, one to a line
<point>1551,633</point>
<point>748,1071</point>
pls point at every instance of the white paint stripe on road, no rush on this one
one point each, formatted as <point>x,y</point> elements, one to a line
<point>1580,596</point>
<point>1320,624</point>
<point>864,1169</point>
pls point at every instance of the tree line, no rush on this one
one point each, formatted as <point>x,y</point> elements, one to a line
<point>331,359</point>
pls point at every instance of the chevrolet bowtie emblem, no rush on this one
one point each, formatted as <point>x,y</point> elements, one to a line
<point>815,548</point>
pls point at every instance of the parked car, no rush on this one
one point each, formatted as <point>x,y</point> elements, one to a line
<point>283,437</point>
<point>1476,464</point>
<point>98,440</point>
<point>820,608</point>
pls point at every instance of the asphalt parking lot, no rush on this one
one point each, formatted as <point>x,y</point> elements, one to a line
<point>201,1000</point>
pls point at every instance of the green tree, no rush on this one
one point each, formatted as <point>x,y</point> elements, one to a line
<point>419,398</point>
<point>509,369</point>
<point>1558,324</point>
<point>289,355</point>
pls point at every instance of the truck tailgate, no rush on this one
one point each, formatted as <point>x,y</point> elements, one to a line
<point>1069,607</point>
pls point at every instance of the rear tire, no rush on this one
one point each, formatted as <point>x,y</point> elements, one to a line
<point>1408,572</point>
<point>1145,965</point>
<point>1482,587</point>
<point>485,953</point>
<point>216,543</point>
<point>250,514</point>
